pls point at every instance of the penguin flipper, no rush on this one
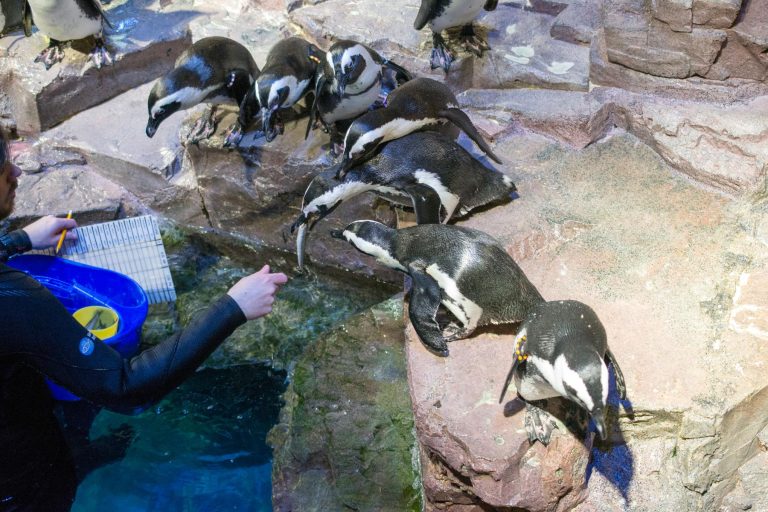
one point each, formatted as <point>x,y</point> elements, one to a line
<point>320,81</point>
<point>238,83</point>
<point>426,203</point>
<point>511,373</point>
<point>621,387</point>
<point>490,5</point>
<point>27,19</point>
<point>425,300</point>
<point>462,120</point>
<point>93,9</point>
<point>402,75</point>
<point>426,13</point>
<point>249,107</point>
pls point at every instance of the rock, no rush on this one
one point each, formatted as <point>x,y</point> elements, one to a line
<point>577,23</point>
<point>146,42</point>
<point>675,13</point>
<point>345,438</point>
<point>715,13</point>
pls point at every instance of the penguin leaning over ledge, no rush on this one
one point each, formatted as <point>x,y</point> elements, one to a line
<point>419,104</point>
<point>287,76</point>
<point>67,20</point>
<point>465,270</point>
<point>213,70</point>
<point>561,349</point>
<point>353,79</point>
<point>444,14</point>
<point>426,170</point>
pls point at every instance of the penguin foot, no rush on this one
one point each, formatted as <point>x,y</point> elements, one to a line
<point>100,56</point>
<point>455,332</point>
<point>234,136</point>
<point>441,56</point>
<point>538,424</point>
<point>472,42</point>
<point>51,55</point>
<point>202,129</point>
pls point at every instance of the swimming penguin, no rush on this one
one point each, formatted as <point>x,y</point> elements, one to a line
<point>287,76</point>
<point>443,14</point>
<point>426,170</point>
<point>465,270</point>
<point>418,104</point>
<point>561,349</point>
<point>67,20</point>
<point>352,80</point>
<point>213,70</point>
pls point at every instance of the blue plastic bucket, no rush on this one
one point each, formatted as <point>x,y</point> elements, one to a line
<point>77,285</point>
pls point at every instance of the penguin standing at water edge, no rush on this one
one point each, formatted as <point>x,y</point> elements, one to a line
<point>465,270</point>
<point>67,20</point>
<point>426,170</point>
<point>353,78</point>
<point>287,76</point>
<point>444,14</point>
<point>419,104</point>
<point>213,70</point>
<point>561,349</point>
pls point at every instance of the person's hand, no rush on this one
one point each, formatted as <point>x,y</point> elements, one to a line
<point>45,231</point>
<point>256,293</point>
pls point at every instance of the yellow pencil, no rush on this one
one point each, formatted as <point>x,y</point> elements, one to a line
<point>63,234</point>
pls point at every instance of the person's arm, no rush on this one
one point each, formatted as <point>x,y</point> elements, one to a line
<point>41,234</point>
<point>41,331</point>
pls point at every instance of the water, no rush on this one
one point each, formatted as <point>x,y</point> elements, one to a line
<point>203,448</point>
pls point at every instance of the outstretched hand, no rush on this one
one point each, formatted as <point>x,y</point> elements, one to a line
<point>255,293</point>
<point>45,231</point>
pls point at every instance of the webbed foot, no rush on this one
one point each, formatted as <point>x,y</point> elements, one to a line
<point>455,332</point>
<point>100,56</point>
<point>441,56</point>
<point>472,42</point>
<point>203,127</point>
<point>51,55</point>
<point>539,424</point>
<point>233,136</point>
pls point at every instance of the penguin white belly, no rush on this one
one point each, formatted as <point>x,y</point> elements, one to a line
<point>464,309</point>
<point>63,20</point>
<point>353,106</point>
<point>458,13</point>
<point>533,387</point>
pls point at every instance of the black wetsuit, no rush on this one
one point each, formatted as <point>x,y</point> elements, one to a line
<point>40,337</point>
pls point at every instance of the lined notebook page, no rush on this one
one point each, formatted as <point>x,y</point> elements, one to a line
<point>130,246</point>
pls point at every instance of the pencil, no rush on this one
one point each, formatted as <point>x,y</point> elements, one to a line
<point>63,234</point>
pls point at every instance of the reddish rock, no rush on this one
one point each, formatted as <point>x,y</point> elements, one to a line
<point>716,13</point>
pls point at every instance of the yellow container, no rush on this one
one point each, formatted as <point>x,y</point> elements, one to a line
<point>100,320</point>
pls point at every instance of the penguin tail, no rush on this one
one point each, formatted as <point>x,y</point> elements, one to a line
<point>462,120</point>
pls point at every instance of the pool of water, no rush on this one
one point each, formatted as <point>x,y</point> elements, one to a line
<point>203,447</point>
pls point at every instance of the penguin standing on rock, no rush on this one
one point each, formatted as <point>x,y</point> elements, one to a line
<point>213,70</point>
<point>426,170</point>
<point>419,104</point>
<point>561,349</point>
<point>67,20</point>
<point>443,14</point>
<point>352,80</point>
<point>287,76</point>
<point>465,270</point>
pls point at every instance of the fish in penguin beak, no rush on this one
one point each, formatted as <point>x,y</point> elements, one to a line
<point>337,233</point>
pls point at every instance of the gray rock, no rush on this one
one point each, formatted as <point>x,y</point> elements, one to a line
<point>146,43</point>
<point>716,13</point>
<point>578,23</point>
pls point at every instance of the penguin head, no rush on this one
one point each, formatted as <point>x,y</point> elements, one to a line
<point>353,66</point>
<point>360,142</point>
<point>372,238</point>
<point>272,95</point>
<point>162,102</point>
<point>323,195</point>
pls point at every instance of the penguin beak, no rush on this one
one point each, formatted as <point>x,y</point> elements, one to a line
<point>152,125</point>
<point>343,79</point>
<point>598,416</point>
<point>344,167</point>
<point>337,233</point>
<point>300,221</point>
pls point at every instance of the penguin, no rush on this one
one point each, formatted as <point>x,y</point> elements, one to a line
<point>426,170</point>
<point>352,79</point>
<point>561,349</point>
<point>465,270</point>
<point>287,76</point>
<point>444,14</point>
<point>67,20</point>
<point>213,70</point>
<point>418,104</point>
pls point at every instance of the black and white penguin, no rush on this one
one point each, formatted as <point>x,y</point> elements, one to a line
<point>67,20</point>
<point>421,103</point>
<point>353,79</point>
<point>465,270</point>
<point>444,14</point>
<point>426,170</point>
<point>287,76</point>
<point>561,349</point>
<point>213,70</point>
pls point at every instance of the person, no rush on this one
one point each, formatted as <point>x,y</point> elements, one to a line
<point>39,337</point>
